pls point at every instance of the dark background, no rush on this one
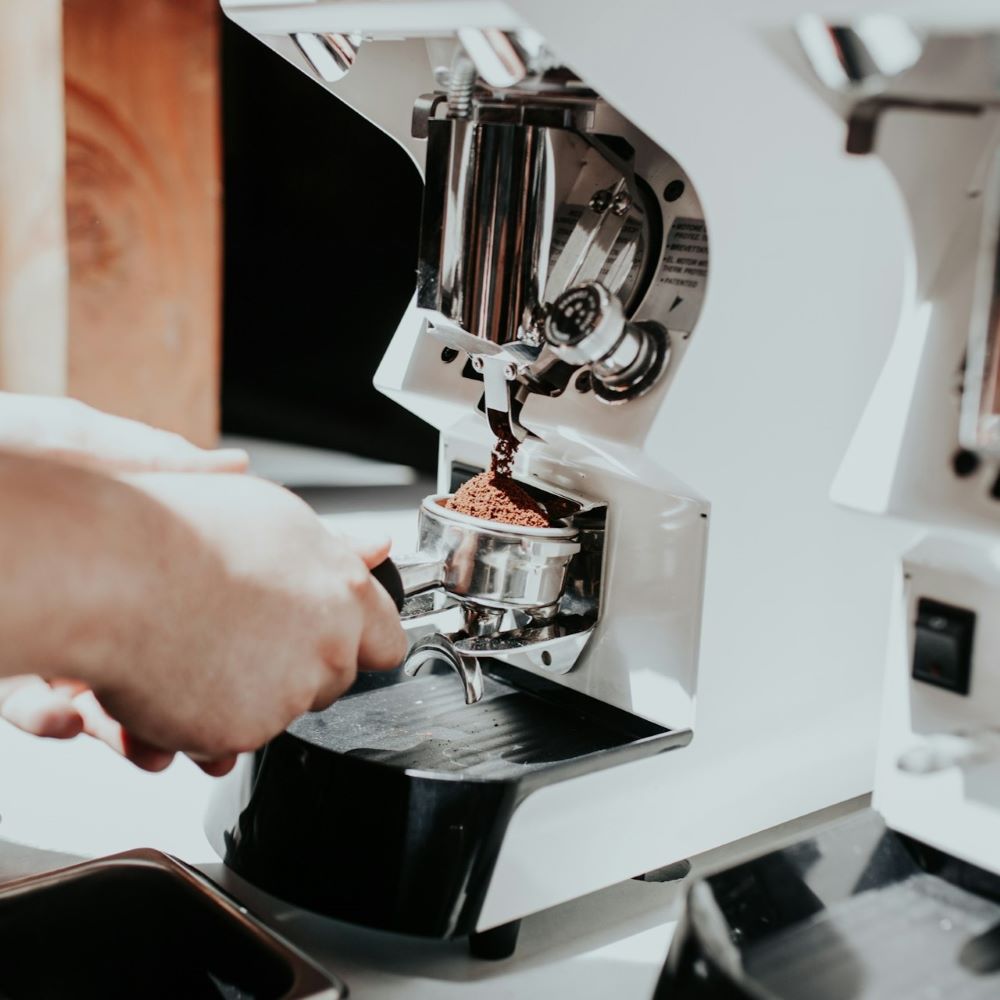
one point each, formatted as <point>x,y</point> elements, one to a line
<point>321,219</point>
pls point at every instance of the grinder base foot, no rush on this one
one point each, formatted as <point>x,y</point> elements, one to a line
<point>496,943</point>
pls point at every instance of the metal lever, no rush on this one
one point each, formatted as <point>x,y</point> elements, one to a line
<point>499,382</point>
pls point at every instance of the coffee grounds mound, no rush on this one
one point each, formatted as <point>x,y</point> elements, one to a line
<point>496,498</point>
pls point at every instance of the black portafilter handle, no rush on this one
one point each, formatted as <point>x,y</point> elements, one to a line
<point>387,575</point>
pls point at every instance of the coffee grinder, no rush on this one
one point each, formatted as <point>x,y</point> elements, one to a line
<point>535,744</point>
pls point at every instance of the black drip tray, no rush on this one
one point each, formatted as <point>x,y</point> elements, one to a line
<point>415,789</point>
<point>425,724</point>
<point>142,925</point>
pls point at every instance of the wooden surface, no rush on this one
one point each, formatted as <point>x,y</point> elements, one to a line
<point>32,231</point>
<point>143,208</point>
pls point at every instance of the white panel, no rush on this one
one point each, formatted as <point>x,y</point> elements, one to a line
<point>808,269</point>
<point>958,808</point>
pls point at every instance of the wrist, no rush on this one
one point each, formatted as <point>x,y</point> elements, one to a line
<point>78,547</point>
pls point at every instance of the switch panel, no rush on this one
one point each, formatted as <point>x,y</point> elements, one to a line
<point>942,646</point>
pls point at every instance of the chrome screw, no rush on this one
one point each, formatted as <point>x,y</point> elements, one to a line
<point>600,201</point>
<point>622,203</point>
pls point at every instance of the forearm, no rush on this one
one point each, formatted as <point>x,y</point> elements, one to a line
<point>78,555</point>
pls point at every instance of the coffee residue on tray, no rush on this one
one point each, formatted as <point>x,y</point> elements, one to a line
<point>493,497</point>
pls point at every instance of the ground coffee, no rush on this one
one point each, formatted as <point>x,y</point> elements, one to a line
<point>497,498</point>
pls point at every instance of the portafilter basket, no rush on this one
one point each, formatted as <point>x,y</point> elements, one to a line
<point>495,565</point>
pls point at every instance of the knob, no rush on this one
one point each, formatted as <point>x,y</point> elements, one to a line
<point>586,325</point>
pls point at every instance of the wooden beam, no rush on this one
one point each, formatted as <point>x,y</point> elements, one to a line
<point>32,229</point>
<point>143,204</point>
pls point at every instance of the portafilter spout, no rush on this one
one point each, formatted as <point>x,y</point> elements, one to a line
<point>415,576</point>
<point>440,648</point>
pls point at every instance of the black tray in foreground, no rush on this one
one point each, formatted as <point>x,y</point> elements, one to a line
<point>389,808</point>
<point>141,924</point>
<point>856,912</point>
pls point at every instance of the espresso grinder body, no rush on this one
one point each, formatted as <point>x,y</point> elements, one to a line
<point>535,745</point>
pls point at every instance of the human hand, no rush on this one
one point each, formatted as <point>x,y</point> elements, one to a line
<point>66,429</point>
<point>195,613</point>
<point>64,709</point>
<point>256,615</point>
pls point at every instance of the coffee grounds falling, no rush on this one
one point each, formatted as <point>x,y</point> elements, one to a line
<point>494,497</point>
<point>502,459</point>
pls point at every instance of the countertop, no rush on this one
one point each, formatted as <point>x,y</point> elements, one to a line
<point>63,803</point>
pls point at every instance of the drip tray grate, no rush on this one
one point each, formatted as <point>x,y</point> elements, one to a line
<point>424,724</point>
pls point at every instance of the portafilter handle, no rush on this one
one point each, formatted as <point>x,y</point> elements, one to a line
<point>411,575</point>
<point>387,574</point>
